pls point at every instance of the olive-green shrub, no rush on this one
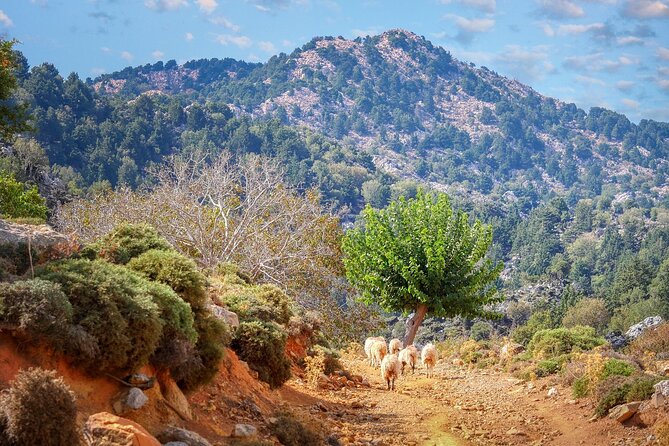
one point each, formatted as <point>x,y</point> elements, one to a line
<point>175,270</point>
<point>125,242</point>
<point>291,432</point>
<point>38,409</point>
<point>587,312</point>
<point>265,302</point>
<point>262,345</point>
<point>538,321</point>
<point>480,331</point>
<point>554,342</point>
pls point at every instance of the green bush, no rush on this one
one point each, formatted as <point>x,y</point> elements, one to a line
<point>110,305</point>
<point>262,345</point>
<point>125,242</point>
<point>617,367</point>
<point>641,389</point>
<point>587,312</point>
<point>547,367</point>
<point>175,270</point>
<point>291,432</point>
<point>480,331</point>
<point>626,316</point>
<point>15,259</point>
<point>615,397</point>
<point>202,364</point>
<point>39,409</point>
<point>579,387</point>
<point>632,389</point>
<point>36,307</point>
<point>654,340</point>
<point>19,201</point>
<point>550,343</point>
<point>538,321</point>
<point>266,303</point>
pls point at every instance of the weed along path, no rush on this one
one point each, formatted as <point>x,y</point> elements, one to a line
<point>457,407</point>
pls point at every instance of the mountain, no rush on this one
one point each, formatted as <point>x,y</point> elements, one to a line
<point>425,116</point>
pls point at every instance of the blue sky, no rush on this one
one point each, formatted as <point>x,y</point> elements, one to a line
<point>611,53</point>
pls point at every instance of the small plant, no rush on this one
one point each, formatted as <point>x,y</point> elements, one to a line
<point>654,340</point>
<point>613,398</point>
<point>266,303</point>
<point>580,387</point>
<point>291,432</point>
<point>314,367</point>
<point>125,242</point>
<point>661,429</point>
<point>538,321</point>
<point>19,201</point>
<point>587,312</point>
<point>617,367</point>
<point>262,345</point>
<point>558,341</point>
<point>39,409</point>
<point>632,389</point>
<point>547,367</point>
<point>481,331</point>
<point>470,351</point>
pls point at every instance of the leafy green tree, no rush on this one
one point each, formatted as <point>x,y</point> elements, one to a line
<point>419,255</point>
<point>18,202</point>
<point>13,117</point>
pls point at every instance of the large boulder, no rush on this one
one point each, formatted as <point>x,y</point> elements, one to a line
<point>105,429</point>
<point>509,350</point>
<point>129,400</point>
<point>244,431</point>
<point>617,340</point>
<point>174,397</point>
<point>176,434</point>
<point>624,412</point>
<point>227,316</point>
<point>635,330</point>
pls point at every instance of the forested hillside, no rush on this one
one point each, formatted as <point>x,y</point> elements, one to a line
<point>577,200</point>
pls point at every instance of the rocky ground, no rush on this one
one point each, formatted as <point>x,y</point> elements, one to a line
<point>458,407</point>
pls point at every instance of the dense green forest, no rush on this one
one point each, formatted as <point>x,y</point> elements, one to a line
<point>577,200</point>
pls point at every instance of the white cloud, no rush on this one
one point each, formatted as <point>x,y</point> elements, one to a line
<point>365,32</point>
<point>630,40</point>
<point>624,85</point>
<point>5,20</point>
<point>188,37</point>
<point>646,9</point>
<point>523,63</point>
<point>98,71</point>
<point>157,54</point>
<point>126,55</point>
<point>287,43</point>
<point>588,80</point>
<point>483,5</point>
<point>262,8</point>
<point>165,5</point>
<point>208,6</point>
<point>267,47</point>
<point>560,9</point>
<point>105,49</point>
<point>223,21</point>
<point>663,53</point>
<point>663,84</point>
<point>630,103</point>
<point>597,62</point>
<point>663,71</point>
<point>240,41</point>
<point>547,29</point>
<point>579,29</point>
<point>471,25</point>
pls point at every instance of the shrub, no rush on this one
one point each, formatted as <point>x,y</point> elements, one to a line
<point>262,345</point>
<point>290,432</point>
<point>112,307</point>
<point>641,389</point>
<point>14,258</point>
<point>314,367</point>
<point>39,409</point>
<point>654,340</point>
<point>470,351</point>
<point>202,365</point>
<point>632,389</point>
<point>37,307</point>
<point>617,367</point>
<point>579,387</point>
<point>480,331</point>
<point>661,429</point>
<point>557,341</point>
<point>125,242</point>
<point>538,321</point>
<point>331,358</point>
<point>613,398</point>
<point>19,201</point>
<point>266,303</point>
<point>587,312</point>
<point>175,270</point>
<point>547,367</point>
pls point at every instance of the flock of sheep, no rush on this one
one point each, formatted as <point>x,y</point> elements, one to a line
<point>393,359</point>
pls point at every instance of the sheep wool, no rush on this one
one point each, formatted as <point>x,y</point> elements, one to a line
<point>409,356</point>
<point>390,370</point>
<point>368,346</point>
<point>379,351</point>
<point>395,346</point>
<point>429,358</point>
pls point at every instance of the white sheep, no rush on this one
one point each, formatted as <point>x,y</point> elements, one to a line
<point>390,370</point>
<point>428,357</point>
<point>409,356</point>
<point>368,347</point>
<point>379,351</point>
<point>394,346</point>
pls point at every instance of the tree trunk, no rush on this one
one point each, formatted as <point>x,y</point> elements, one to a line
<point>413,323</point>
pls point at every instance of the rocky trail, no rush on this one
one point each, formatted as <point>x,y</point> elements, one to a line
<point>458,407</point>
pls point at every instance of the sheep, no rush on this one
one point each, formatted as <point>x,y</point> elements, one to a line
<point>390,370</point>
<point>429,358</point>
<point>409,355</point>
<point>379,350</point>
<point>395,346</point>
<point>368,346</point>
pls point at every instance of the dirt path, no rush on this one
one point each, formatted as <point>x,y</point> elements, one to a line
<point>458,407</point>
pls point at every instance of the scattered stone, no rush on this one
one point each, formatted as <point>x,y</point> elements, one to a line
<point>552,392</point>
<point>517,432</point>
<point>244,431</point>
<point>635,330</point>
<point>657,400</point>
<point>357,405</point>
<point>175,443</point>
<point>324,382</point>
<point>617,340</point>
<point>510,349</point>
<point>624,412</point>
<point>176,434</point>
<point>173,395</point>
<point>105,429</point>
<point>128,400</point>
<point>662,387</point>
<point>227,316</point>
